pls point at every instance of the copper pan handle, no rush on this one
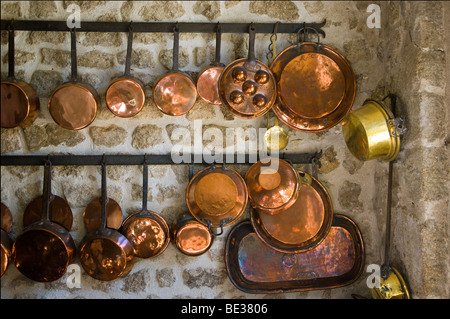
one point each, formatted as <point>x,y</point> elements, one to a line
<point>144,184</point>
<point>73,54</point>
<point>11,49</point>
<point>176,48</point>
<point>47,191</point>
<point>218,44</point>
<point>251,64</point>
<point>104,197</point>
<point>129,50</point>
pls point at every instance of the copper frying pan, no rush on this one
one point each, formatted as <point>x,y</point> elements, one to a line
<point>247,87</point>
<point>208,78</point>
<point>315,85</point>
<point>175,93</point>
<point>125,95</point>
<point>146,230</point>
<point>74,105</point>
<point>105,253</point>
<point>6,243</point>
<point>19,101</point>
<point>44,250</point>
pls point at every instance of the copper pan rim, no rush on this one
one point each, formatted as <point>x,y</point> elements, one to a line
<point>139,84</point>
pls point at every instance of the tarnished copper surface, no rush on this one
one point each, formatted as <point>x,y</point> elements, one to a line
<point>272,185</point>
<point>74,106</point>
<point>254,267</point>
<point>6,246</point>
<point>208,84</point>
<point>19,104</point>
<point>209,215</point>
<point>125,97</point>
<point>7,219</point>
<point>92,215</point>
<point>175,94</point>
<point>60,212</point>
<point>315,86</point>
<point>299,227</point>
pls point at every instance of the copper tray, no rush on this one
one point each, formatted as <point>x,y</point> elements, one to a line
<point>253,267</point>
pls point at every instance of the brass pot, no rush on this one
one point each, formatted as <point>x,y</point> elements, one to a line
<point>393,287</point>
<point>372,132</point>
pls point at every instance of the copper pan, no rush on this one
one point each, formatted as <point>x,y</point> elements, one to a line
<point>247,86</point>
<point>146,230</point>
<point>44,250</point>
<point>315,85</point>
<point>6,245</point>
<point>302,226</point>
<point>74,105</point>
<point>208,78</point>
<point>105,253</point>
<point>216,196</point>
<point>175,93</point>
<point>19,101</point>
<point>125,95</point>
<point>272,185</point>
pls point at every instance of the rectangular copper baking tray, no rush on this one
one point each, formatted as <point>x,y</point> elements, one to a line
<point>254,267</point>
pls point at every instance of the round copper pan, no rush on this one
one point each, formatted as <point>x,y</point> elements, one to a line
<point>106,254</point>
<point>92,215</point>
<point>208,78</point>
<point>272,185</point>
<point>60,212</point>
<point>191,237</point>
<point>315,86</point>
<point>44,250</point>
<point>247,86</point>
<point>300,227</point>
<point>146,230</point>
<point>19,101</point>
<point>175,93</point>
<point>74,105</point>
<point>216,196</point>
<point>6,243</point>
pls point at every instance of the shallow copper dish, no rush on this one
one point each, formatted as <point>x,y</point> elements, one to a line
<point>60,212</point>
<point>300,227</point>
<point>315,86</point>
<point>6,242</point>
<point>253,267</point>
<point>216,196</point>
<point>272,185</point>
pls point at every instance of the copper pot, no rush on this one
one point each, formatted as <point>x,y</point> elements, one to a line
<point>6,243</point>
<point>125,96</point>
<point>175,93</point>
<point>216,196</point>
<point>272,185</point>
<point>105,253</point>
<point>315,85</point>
<point>19,101</point>
<point>74,105</point>
<point>44,250</point>
<point>208,78</point>
<point>190,236</point>
<point>247,87</point>
<point>146,230</point>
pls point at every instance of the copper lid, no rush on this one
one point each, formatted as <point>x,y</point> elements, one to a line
<point>7,219</point>
<point>208,84</point>
<point>14,105</point>
<point>60,212</point>
<point>92,215</point>
<point>125,97</point>
<point>272,185</point>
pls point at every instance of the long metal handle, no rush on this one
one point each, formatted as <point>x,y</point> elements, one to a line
<point>47,191</point>
<point>129,51</point>
<point>11,50</point>
<point>73,54</point>
<point>104,198</point>
<point>144,185</point>
<point>218,44</point>
<point>176,47</point>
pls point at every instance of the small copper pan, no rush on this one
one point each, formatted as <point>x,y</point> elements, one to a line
<point>208,78</point>
<point>303,225</point>
<point>74,105</point>
<point>6,245</point>
<point>146,230</point>
<point>105,253</point>
<point>125,95</point>
<point>44,250</point>
<point>19,101</point>
<point>272,185</point>
<point>175,93</point>
<point>247,87</point>
<point>216,196</point>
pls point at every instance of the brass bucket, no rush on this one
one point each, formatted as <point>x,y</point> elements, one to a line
<point>372,132</point>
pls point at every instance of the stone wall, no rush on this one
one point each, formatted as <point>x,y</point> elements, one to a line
<point>357,188</point>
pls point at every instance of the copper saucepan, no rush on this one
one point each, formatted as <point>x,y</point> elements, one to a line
<point>19,101</point>
<point>208,78</point>
<point>125,96</point>
<point>247,86</point>
<point>216,196</point>
<point>315,85</point>
<point>44,250</point>
<point>175,93</point>
<point>6,245</point>
<point>74,105</point>
<point>105,253</point>
<point>146,230</point>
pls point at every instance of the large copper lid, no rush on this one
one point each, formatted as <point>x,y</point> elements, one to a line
<point>125,97</point>
<point>14,105</point>
<point>92,215</point>
<point>272,185</point>
<point>300,227</point>
<point>60,212</point>
<point>208,84</point>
